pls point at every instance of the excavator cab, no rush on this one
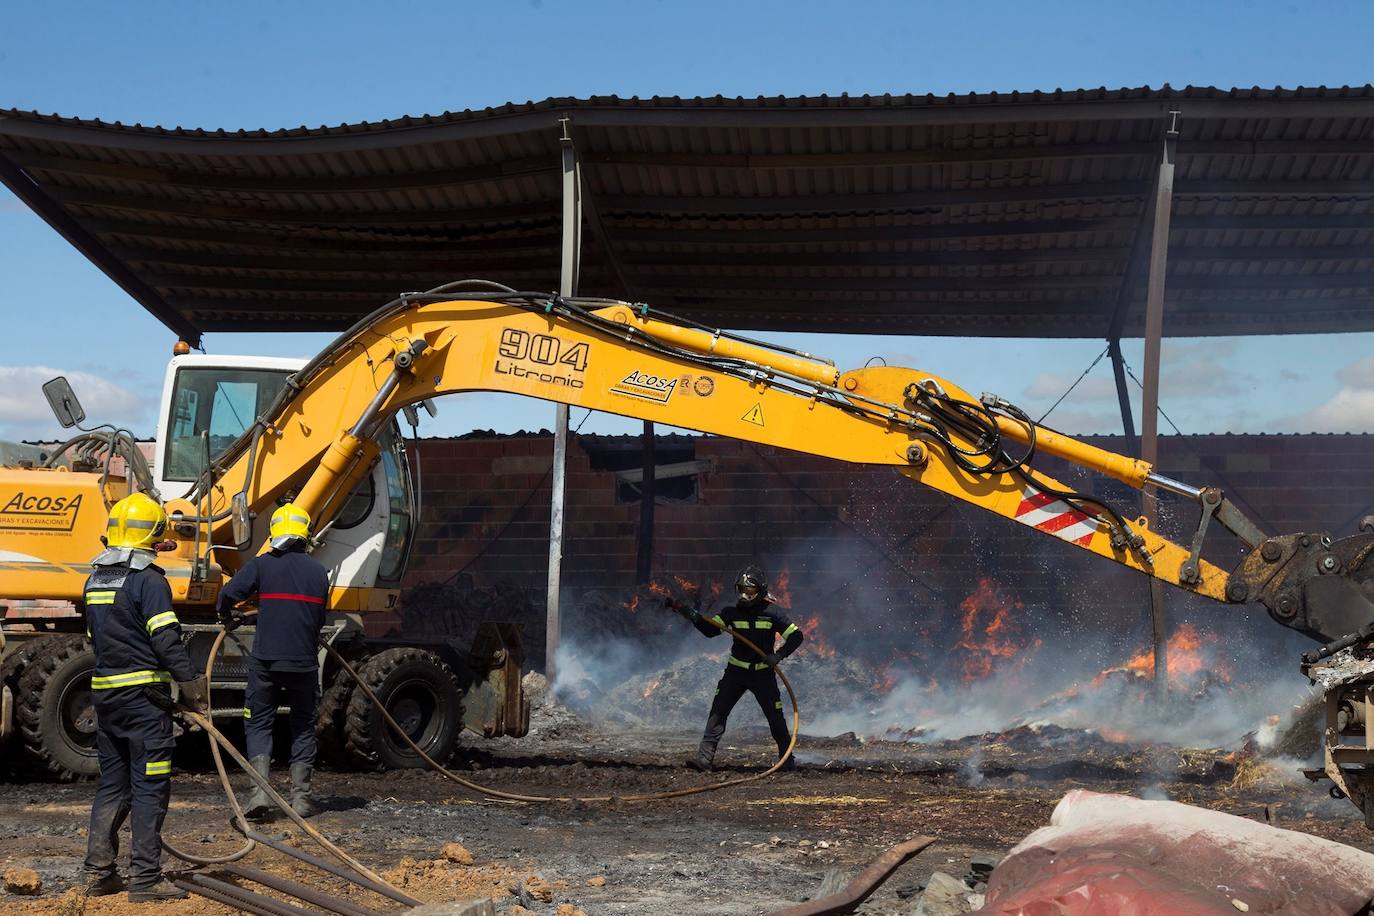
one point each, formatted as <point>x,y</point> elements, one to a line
<point>209,402</point>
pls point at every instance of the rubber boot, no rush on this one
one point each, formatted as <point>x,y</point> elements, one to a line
<point>300,789</point>
<point>104,885</point>
<point>790,763</point>
<point>259,805</point>
<point>702,760</point>
<point>163,890</point>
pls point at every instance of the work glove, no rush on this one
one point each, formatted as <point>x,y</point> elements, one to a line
<point>773,659</point>
<point>232,619</point>
<point>194,696</point>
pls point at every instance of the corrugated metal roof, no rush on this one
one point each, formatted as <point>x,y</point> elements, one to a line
<point>999,214</point>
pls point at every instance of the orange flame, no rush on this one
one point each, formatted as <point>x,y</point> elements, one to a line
<point>1187,658</point>
<point>633,604</point>
<point>652,686</point>
<point>816,643</point>
<point>988,632</point>
<point>779,592</point>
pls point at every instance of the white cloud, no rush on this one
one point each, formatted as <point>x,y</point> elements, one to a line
<point>1349,410</point>
<point>1358,375</point>
<point>24,412</point>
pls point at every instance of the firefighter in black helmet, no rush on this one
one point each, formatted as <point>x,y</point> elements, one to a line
<point>754,615</point>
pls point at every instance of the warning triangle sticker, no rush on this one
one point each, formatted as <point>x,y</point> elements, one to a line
<point>755,415</point>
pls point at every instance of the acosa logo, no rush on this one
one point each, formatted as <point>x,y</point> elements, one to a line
<point>39,512</point>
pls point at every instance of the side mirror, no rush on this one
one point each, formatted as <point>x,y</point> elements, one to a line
<point>241,521</point>
<point>63,402</point>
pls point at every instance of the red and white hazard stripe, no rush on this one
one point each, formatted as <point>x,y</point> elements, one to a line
<point>1054,516</point>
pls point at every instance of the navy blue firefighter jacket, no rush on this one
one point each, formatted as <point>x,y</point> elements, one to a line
<point>293,593</point>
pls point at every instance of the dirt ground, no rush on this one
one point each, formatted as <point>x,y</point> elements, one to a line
<point>744,850</point>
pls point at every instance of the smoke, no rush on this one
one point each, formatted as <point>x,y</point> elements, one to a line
<point>987,663</point>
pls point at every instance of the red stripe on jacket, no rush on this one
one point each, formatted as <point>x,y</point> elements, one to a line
<point>308,599</point>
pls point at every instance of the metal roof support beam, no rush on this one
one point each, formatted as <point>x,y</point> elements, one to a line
<point>1149,420</point>
<point>1123,396</point>
<point>567,286</point>
<point>52,213</point>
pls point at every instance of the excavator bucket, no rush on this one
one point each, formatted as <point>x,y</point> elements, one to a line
<point>495,704</point>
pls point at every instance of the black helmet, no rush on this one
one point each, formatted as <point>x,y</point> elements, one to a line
<point>752,585</point>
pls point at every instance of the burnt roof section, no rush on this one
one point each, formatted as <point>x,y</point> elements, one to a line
<point>996,215</point>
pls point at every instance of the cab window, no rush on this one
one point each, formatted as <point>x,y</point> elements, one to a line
<point>220,401</point>
<point>401,518</point>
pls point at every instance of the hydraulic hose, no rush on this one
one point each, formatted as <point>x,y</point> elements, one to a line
<point>592,799</point>
<point>217,741</point>
<point>238,821</point>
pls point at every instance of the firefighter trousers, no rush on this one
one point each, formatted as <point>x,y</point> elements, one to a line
<point>734,683</point>
<point>268,689</point>
<point>134,743</point>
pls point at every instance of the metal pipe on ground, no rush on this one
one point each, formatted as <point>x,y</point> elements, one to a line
<point>332,869</point>
<point>240,898</point>
<point>299,891</point>
<point>863,885</point>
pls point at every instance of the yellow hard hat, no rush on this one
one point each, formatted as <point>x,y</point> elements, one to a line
<point>137,520</point>
<point>290,521</point>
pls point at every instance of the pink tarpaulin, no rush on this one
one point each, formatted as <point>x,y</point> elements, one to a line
<point>1118,855</point>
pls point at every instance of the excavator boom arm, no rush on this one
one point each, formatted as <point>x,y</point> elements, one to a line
<point>626,360</point>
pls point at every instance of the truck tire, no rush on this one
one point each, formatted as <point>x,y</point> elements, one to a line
<point>54,711</point>
<point>329,726</point>
<point>421,694</point>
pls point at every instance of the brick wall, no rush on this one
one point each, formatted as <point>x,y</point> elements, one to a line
<point>862,545</point>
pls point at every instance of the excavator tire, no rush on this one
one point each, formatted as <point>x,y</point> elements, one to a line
<point>11,669</point>
<point>421,693</point>
<point>53,709</point>
<point>329,726</point>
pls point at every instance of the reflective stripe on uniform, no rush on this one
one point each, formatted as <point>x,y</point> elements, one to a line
<point>777,704</point>
<point>718,620</point>
<point>130,679</point>
<point>101,597</point>
<point>755,666</point>
<point>763,624</point>
<point>789,631</point>
<point>158,621</point>
<point>158,768</point>
<point>247,713</point>
<point>740,624</point>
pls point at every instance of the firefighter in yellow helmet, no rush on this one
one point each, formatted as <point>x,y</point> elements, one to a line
<point>138,654</point>
<point>292,591</point>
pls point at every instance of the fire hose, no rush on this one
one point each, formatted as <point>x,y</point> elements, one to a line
<point>369,879</point>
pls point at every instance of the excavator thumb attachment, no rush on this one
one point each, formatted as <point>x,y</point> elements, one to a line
<point>1321,587</point>
<point>495,704</point>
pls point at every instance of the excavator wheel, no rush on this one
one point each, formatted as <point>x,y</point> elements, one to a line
<point>329,726</point>
<point>421,694</point>
<point>54,711</point>
<point>11,669</point>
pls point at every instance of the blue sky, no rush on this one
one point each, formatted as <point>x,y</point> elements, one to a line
<point>254,64</point>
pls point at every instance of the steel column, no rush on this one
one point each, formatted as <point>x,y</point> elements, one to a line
<point>644,565</point>
<point>1149,410</point>
<point>567,286</point>
<point>1123,395</point>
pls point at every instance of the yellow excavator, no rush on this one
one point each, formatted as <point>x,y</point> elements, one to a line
<point>240,435</point>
